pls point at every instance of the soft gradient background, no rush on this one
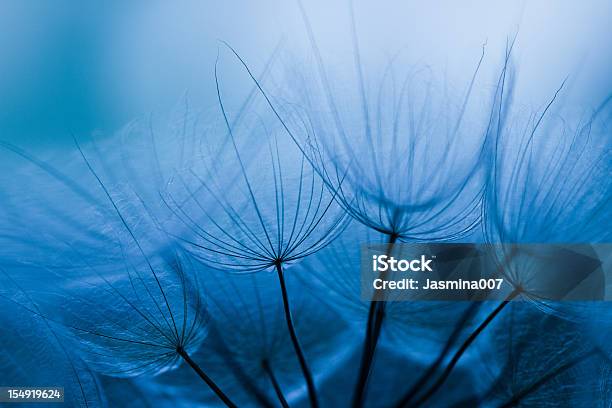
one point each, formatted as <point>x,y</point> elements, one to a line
<point>83,66</point>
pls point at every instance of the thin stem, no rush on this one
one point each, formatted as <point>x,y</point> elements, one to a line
<point>515,400</point>
<point>181,351</point>
<point>279,393</point>
<point>312,392</point>
<point>418,385</point>
<point>376,315</point>
<point>451,365</point>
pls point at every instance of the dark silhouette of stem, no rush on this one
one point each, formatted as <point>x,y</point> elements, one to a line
<point>279,393</point>
<point>376,315</point>
<point>245,381</point>
<point>420,383</point>
<point>451,365</point>
<point>181,351</point>
<point>516,399</point>
<point>312,392</point>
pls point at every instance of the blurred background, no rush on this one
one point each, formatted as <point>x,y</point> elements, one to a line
<point>89,67</point>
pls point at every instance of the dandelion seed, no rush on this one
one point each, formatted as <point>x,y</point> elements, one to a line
<point>522,193</point>
<point>130,302</point>
<point>402,164</point>
<point>274,213</point>
<point>551,187</point>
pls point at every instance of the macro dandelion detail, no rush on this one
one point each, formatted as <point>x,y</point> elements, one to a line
<point>130,310</point>
<point>306,204</point>
<point>261,220</point>
<point>403,162</point>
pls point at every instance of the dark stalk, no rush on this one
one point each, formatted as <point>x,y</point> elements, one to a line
<point>422,381</point>
<point>536,385</point>
<point>451,365</point>
<point>181,351</point>
<point>279,393</point>
<point>244,380</point>
<point>312,392</point>
<point>376,315</point>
